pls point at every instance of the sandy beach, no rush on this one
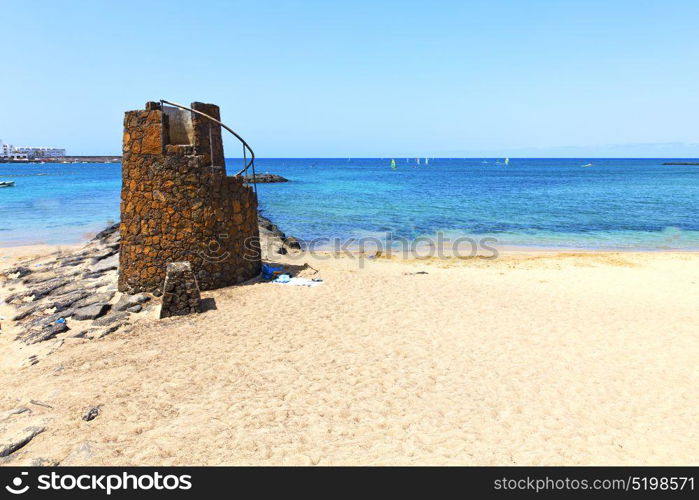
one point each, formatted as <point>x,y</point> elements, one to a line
<point>555,358</point>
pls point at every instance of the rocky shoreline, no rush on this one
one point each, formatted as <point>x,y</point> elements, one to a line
<point>71,159</point>
<point>265,178</point>
<point>274,241</point>
<point>74,294</point>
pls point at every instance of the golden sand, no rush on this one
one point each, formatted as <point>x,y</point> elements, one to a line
<point>549,358</point>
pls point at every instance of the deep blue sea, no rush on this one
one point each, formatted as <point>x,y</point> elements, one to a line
<point>613,204</point>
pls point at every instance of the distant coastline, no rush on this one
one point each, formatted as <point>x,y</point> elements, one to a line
<point>71,159</point>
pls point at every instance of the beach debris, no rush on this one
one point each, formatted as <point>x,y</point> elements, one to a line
<point>413,274</point>
<point>91,414</point>
<point>181,294</point>
<point>285,279</point>
<point>31,360</point>
<point>126,301</point>
<point>19,440</point>
<point>40,403</point>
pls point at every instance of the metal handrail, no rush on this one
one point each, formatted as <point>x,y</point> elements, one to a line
<point>246,166</point>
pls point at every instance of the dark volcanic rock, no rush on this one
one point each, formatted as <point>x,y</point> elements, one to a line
<point>71,261</point>
<point>128,301</point>
<point>102,331</point>
<point>19,440</point>
<point>274,241</point>
<point>43,329</point>
<point>103,254</point>
<point>180,292</point>
<point>97,298</point>
<point>13,297</point>
<point>106,233</point>
<point>46,276</point>
<point>265,178</point>
<point>90,312</point>
<point>27,311</point>
<point>63,302</point>
<point>47,288</point>
<point>21,271</point>
<point>91,414</point>
<point>292,243</point>
<point>93,274</point>
<point>109,319</point>
<point>105,265</point>
<point>267,224</point>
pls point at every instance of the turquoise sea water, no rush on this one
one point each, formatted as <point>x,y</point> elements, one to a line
<point>614,204</point>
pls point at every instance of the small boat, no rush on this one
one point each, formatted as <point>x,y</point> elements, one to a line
<point>393,164</point>
<point>587,165</point>
<point>7,184</point>
<point>507,161</point>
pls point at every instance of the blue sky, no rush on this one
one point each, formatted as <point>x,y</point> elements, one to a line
<point>312,78</point>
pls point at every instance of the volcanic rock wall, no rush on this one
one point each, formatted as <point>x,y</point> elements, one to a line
<point>178,204</point>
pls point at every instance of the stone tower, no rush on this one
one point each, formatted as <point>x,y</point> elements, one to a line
<point>178,204</point>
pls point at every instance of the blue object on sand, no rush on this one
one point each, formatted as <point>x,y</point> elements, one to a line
<point>269,272</point>
<point>61,320</point>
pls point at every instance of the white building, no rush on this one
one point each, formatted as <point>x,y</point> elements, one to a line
<point>35,153</point>
<point>9,152</point>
